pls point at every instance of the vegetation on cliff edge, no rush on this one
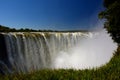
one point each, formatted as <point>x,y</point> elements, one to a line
<point>111,14</point>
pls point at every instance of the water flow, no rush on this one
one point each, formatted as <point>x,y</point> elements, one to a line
<point>34,51</point>
<point>88,53</point>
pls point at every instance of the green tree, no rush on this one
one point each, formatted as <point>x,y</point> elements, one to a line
<point>111,14</point>
<point>3,29</point>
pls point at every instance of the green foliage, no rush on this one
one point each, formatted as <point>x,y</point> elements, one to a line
<point>110,71</point>
<point>3,28</point>
<point>7,29</point>
<point>107,3</point>
<point>112,18</point>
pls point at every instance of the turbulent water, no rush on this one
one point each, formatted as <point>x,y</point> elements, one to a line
<point>32,51</point>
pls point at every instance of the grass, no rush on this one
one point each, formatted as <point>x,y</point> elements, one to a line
<point>110,71</point>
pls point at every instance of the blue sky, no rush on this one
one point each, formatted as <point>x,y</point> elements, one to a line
<point>50,14</point>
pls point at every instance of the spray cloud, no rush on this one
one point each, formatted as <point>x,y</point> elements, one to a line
<point>91,52</point>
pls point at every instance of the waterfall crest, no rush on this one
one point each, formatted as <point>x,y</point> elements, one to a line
<point>36,50</point>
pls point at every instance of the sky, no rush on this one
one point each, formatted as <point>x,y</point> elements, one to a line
<point>50,14</point>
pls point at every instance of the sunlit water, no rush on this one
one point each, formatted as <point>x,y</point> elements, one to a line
<point>34,51</point>
<point>88,53</point>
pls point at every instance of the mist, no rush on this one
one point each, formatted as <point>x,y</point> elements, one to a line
<point>91,52</point>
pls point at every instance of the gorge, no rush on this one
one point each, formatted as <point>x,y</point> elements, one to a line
<point>32,51</point>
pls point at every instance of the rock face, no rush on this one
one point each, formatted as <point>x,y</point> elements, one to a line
<point>24,52</point>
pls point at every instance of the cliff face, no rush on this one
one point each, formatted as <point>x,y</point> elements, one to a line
<point>4,61</point>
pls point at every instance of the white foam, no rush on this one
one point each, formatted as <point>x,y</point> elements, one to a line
<point>88,53</point>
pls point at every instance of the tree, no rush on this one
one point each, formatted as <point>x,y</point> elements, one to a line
<point>3,28</point>
<point>111,14</point>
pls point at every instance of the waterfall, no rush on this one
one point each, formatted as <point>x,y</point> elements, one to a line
<point>31,51</point>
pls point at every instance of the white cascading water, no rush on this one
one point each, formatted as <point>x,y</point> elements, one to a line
<point>78,50</point>
<point>90,52</point>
